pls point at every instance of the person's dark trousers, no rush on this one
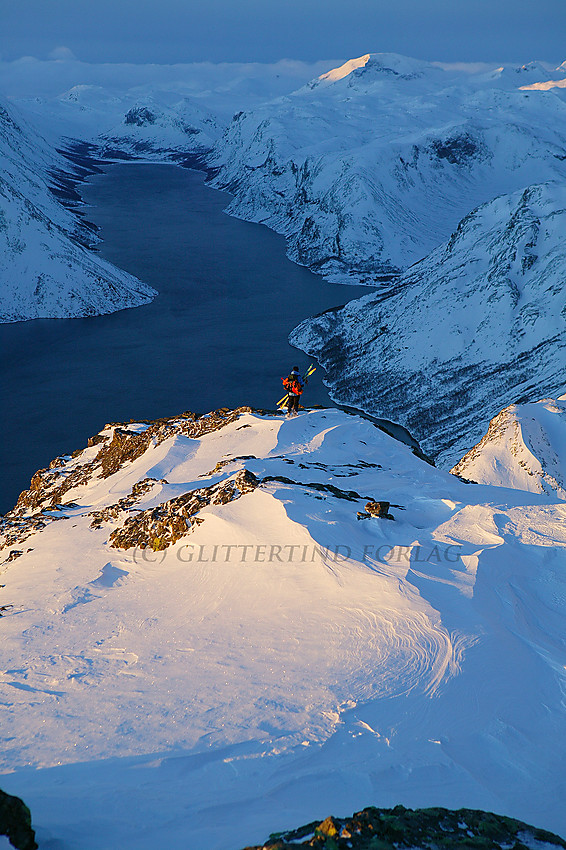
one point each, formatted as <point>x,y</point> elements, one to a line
<point>293,404</point>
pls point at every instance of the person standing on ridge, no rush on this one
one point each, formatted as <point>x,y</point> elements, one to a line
<point>294,386</point>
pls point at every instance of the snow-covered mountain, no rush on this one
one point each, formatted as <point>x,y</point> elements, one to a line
<point>46,267</point>
<point>164,125</point>
<point>474,326</point>
<point>153,124</point>
<point>206,636</point>
<point>372,165</point>
<point>524,448</point>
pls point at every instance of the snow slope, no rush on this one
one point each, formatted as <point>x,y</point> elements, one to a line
<point>524,448</point>
<point>369,167</point>
<point>282,659</point>
<point>476,325</point>
<point>46,268</point>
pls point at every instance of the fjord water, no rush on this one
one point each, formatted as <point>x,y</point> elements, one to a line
<point>215,336</point>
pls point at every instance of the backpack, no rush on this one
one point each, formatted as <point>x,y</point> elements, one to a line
<point>293,385</point>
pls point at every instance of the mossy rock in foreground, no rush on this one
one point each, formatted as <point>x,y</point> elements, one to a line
<point>15,822</point>
<point>418,829</point>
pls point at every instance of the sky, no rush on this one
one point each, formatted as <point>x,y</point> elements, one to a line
<point>171,31</point>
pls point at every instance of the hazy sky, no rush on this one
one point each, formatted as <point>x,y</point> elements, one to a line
<point>172,31</point>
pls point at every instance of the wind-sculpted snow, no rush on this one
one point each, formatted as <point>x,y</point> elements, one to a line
<point>477,324</point>
<point>46,267</point>
<point>371,166</point>
<point>524,448</point>
<point>281,657</point>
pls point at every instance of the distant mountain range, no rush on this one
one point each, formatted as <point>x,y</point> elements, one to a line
<point>159,114</point>
<point>369,167</point>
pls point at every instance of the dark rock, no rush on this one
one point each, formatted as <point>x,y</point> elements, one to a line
<point>459,149</point>
<point>419,829</point>
<point>222,463</point>
<point>378,509</point>
<point>140,116</point>
<point>348,495</point>
<point>48,486</point>
<point>160,527</point>
<point>125,446</point>
<point>94,441</point>
<point>15,822</point>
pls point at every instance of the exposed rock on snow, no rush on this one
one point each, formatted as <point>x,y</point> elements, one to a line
<point>524,448</point>
<point>119,445</point>
<point>368,168</point>
<point>161,526</point>
<point>46,269</point>
<point>477,324</point>
<point>15,822</point>
<point>423,829</point>
<point>285,658</point>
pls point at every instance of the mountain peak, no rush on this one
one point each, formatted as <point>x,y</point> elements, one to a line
<point>524,448</point>
<point>386,64</point>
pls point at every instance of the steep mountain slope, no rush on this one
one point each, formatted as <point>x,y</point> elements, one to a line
<point>477,324</point>
<point>46,269</point>
<point>203,642</point>
<point>371,166</point>
<point>524,448</point>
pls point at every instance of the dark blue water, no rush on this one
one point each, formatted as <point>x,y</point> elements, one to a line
<point>216,336</point>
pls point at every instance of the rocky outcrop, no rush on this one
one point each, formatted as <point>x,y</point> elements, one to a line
<point>112,512</point>
<point>376,509</point>
<point>15,822</point>
<point>161,526</point>
<point>119,444</point>
<point>418,829</point>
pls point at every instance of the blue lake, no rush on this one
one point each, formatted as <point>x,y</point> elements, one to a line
<point>216,336</point>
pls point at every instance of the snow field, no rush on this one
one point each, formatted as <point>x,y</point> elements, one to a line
<point>286,660</point>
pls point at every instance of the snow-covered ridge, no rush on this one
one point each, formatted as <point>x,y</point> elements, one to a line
<point>46,268</point>
<point>524,448</point>
<point>339,73</point>
<point>276,649</point>
<point>475,325</point>
<point>372,165</point>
